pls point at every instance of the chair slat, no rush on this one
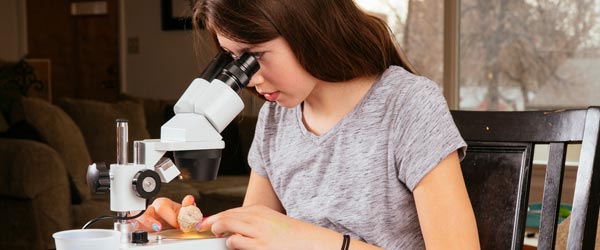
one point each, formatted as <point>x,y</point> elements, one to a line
<point>584,217</point>
<point>552,193</point>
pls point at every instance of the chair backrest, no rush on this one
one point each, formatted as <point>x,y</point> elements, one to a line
<point>498,165</point>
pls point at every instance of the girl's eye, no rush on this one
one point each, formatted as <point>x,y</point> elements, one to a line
<point>233,55</point>
<point>257,55</point>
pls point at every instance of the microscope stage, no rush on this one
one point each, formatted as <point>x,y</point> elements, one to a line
<point>175,239</point>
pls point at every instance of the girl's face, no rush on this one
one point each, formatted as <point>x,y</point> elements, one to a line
<point>280,78</point>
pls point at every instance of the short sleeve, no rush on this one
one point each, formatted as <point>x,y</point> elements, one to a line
<point>256,153</point>
<point>425,132</point>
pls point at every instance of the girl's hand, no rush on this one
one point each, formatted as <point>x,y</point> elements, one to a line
<point>161,214</point>
<point>259,227</point>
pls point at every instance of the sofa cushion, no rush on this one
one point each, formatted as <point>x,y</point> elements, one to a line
<point>156,111</point>
<point>97,123</point>
<point>63,135</point>
<point>25,177</point>
<point>35,194</point>
<point>85,212</point>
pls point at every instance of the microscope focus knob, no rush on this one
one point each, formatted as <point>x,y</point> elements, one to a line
<point>146,183</point>
<point>139,237</point>
<point>98,178</point>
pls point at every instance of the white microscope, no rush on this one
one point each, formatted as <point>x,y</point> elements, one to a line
<point>207,106</point>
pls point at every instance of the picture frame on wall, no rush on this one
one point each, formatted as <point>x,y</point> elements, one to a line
<point>177,14</point>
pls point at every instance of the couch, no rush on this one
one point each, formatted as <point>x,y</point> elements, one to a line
<point>45,152</point>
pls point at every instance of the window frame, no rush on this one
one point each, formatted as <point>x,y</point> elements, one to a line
<point>451,62</point>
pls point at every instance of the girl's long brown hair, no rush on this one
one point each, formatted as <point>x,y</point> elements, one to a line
<point>334,40</point>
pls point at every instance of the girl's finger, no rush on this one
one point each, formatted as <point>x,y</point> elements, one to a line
<point>240,242</point>
<point>188,200</point>
<point>227,225</point>
<point>245,214</point>
<point>148,221</point>
<point>167,212</point>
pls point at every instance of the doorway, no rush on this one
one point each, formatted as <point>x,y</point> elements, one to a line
<point>81,40</point>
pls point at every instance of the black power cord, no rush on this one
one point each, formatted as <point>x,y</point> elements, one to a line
<point>114,217</point>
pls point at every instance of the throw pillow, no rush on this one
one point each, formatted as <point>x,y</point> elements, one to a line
<point>157,112</point>
<point>62,134</point>
<point>97,121</point>
<point>22,130</point>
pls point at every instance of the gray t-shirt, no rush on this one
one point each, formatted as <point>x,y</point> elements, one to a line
<point>358,177</point>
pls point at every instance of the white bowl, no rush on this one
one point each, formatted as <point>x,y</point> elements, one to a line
<point>87,239</point>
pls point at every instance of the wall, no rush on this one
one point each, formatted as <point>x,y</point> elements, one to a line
<point>12,30</point>
<point>166,62</point>
<point>164,66</point>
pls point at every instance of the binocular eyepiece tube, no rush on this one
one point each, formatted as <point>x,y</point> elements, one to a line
<point>235,73</point>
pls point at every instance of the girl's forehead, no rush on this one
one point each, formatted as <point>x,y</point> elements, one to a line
<point>233,46</point>
<point>229,44</point>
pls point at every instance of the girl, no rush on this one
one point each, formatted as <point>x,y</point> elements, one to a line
<point>351,143</point>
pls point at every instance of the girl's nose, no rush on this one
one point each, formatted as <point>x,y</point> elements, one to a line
<point>256,79</point>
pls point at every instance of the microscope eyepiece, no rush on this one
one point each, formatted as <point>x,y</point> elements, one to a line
<point>249,64</point>
<point>237,74</point>
<point>216,64</point>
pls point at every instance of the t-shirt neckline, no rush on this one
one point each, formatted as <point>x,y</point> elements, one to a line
<point>318,139</point>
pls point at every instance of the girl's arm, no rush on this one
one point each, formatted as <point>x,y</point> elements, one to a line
<point>260,192</point>
<point>262,224</point>
<point>444,209</point>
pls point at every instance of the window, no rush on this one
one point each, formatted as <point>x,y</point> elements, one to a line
<point>418,27</point>
<point>529,54</point>
<point>514,54</point>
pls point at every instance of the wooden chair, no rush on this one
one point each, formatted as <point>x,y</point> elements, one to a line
<point>498,166</point>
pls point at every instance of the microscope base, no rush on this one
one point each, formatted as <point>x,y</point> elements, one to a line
<point>179,244</point>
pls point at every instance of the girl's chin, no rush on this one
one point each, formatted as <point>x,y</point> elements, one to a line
<point>285,104</point>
